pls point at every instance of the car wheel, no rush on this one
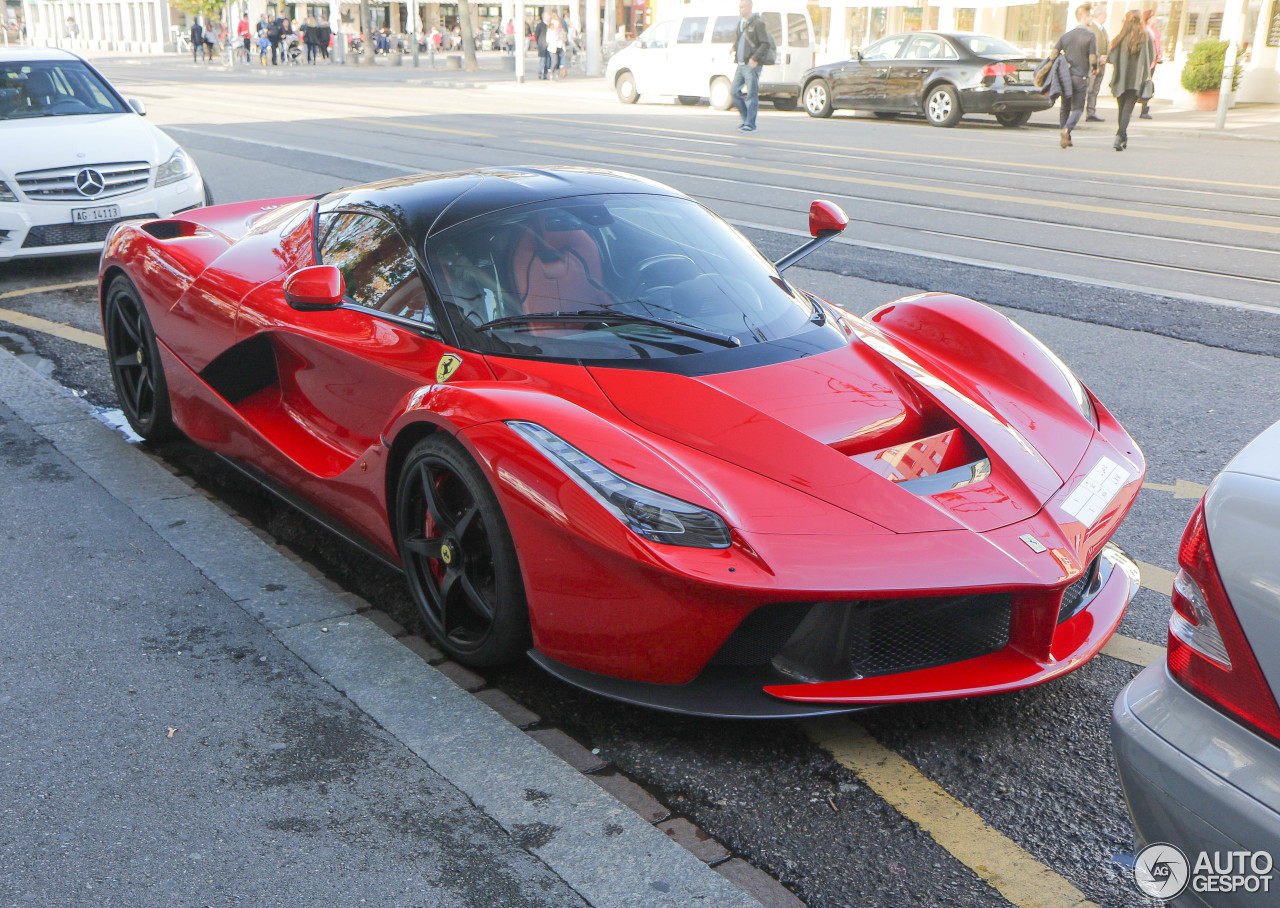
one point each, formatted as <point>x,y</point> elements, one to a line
<point>1013,119</point>
<point>786,103</point>
<point>887,114</point>
<point>688,100</point>
<point>208,195</point>
<point>942,106</point>
<point>626,88</point>
<point>134,357</point>
<point>817,99</point>
<point>721,98</point>
<point>459,556</point>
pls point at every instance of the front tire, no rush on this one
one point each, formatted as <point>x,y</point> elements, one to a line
<point>625,86</point>
<point>942,106</point>
<point>458,555</point>
<point>208,195</point>
<point>134,356</point>
<point>817,98</point>
<point>1013,119</point>
<point>721,97</point>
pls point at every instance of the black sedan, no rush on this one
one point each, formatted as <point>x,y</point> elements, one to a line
<point>944,76</point>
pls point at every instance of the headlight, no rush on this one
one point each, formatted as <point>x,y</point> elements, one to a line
<point>6,194</point>
<point>178,167</point>
<point>656,517</point>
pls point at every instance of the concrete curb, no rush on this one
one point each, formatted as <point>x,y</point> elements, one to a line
<point>605,851</point>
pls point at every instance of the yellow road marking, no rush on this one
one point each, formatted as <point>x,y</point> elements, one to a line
<point>1009,869</point>
<point>400,124</point>
<point>1156,578</point>
<point>1128,649</point>
<point>47,288</point>
<point>66,332</point>
<point>1181,488</point>
<point>940,190</point>
<point>854,149</point>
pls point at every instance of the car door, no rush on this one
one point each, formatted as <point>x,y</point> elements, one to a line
<point>652,69</point>
<point>775,72</point>
<point>342,373</point>
<point>923,56</point>
<point>688,63</point>
<point>861,82</point>
<point>797,57</point>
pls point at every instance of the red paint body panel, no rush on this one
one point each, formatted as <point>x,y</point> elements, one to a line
<point>781,452</point>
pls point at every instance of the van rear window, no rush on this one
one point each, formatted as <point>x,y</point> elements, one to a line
<point>797,30</point>
<point>773,22</point>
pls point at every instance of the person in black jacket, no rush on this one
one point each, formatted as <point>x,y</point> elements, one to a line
<point>1080,47</point>
<point>197,42</point>
<point>540,36</point>
<point>750,52</point>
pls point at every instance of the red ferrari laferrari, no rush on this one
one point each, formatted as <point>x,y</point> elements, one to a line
<point>590,421</point>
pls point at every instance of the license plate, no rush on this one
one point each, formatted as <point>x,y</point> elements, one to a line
<point>92,215</point>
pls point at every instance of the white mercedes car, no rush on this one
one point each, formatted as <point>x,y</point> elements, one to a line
<point>76,157</point>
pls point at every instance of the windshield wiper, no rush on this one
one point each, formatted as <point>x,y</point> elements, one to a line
<point>587,316</point>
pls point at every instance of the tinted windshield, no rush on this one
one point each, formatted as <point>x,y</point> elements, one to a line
<point>53,88</point>
<point>610,277</point>
<point>987,46</point>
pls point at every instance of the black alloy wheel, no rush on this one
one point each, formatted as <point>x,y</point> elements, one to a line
<point>459,556</point>
<point>136,369</point>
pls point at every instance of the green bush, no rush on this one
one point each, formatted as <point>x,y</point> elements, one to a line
<point>1203,70</point>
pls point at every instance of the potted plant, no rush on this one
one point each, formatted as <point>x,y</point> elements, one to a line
<point>1202,74</point>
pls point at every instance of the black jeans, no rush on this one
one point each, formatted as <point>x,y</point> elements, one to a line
<point>1126,101</point>
<point>1069,114</point>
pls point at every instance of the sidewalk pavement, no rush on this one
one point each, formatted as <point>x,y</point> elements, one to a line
<point>188,718</point>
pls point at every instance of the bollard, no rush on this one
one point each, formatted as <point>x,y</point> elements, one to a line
<point>414,41</point>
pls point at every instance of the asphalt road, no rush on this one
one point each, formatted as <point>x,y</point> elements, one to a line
<point>979,210</point>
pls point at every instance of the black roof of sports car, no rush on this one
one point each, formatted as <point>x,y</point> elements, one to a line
<point>425,205</point>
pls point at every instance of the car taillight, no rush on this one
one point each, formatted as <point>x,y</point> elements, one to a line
<point>1208,651</point>
<point>999,69</point>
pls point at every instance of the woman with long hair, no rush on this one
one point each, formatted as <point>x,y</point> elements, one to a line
<point>1131,54</point>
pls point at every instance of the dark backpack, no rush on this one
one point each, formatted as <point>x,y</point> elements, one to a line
<point>767,52</point>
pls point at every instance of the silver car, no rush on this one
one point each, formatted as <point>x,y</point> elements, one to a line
<point>1197,734</point>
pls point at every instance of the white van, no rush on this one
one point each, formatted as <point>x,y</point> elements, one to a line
<point>690,55</point>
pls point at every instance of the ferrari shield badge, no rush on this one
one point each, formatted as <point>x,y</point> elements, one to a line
<point>448,365</point>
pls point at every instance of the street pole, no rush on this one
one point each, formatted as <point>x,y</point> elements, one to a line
<point>593,37</point>
<point>1232,25</point>
<point>521,41</point>
<point>232,37</point>
<point>366,35</point>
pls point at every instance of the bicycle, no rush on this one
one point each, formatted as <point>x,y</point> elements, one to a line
<point>239,56</point>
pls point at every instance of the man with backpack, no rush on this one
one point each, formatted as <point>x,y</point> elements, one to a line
<point>753,50</point>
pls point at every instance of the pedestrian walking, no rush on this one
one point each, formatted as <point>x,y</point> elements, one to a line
<point>311,38</point>
<point>275,30</point>
<point>324,37</point>
<point>243,33</point>
<point>1131,54</point>
<point>540,38</point>
<point>1149,24</point>
<point>753,49</point>
<point>210,36</point>
<point>556,47</point>
<point>1097,25</point>
<point>197,41</point>
<point>1080,49</point>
